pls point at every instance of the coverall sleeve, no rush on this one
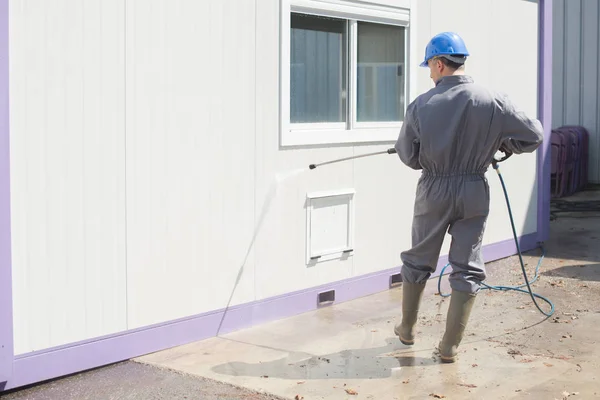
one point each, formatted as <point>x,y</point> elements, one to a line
<point>520,134</point>
<point>408,144</point>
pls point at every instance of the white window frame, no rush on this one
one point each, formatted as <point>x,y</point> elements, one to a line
<point>350,131</point>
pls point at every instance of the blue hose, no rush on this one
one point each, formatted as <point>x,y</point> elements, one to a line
<point>527,283</point>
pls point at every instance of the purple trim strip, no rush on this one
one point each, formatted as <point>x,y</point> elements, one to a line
<point>76,357</point>
<point>6,318</point>
<point>545,116</point>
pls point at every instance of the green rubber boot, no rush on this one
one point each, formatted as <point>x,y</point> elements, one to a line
<point>461,304</point>
<point>412,293</point>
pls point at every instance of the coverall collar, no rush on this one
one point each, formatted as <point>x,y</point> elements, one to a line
<point>454,80</point>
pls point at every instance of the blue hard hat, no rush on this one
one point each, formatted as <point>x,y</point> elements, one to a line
<point>446,44</point>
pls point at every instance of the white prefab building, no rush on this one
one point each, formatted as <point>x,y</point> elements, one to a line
<point>154,181</point>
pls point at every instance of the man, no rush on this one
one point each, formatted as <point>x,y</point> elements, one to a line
<point>451,133</point>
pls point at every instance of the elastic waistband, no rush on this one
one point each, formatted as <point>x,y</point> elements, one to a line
<point>454,174</point>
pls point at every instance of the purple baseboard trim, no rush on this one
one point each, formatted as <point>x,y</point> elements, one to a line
<point>76,357</point>
<point>6,318</point>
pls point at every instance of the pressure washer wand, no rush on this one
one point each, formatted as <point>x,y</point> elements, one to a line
<point>388,151</point>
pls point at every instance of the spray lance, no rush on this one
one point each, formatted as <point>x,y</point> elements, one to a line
<point>392,150</point>
<point>388,151</point>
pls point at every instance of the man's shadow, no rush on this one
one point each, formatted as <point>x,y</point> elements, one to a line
<point>347,364</point>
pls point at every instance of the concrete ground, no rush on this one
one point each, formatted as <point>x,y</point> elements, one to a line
<point>348,351</point>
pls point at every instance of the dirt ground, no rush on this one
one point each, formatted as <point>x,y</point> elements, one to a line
<point>348,351</point>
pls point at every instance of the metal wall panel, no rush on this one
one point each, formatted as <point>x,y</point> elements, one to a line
<point>575,83</point>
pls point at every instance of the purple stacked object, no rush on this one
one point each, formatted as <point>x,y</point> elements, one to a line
<point>569,160</point>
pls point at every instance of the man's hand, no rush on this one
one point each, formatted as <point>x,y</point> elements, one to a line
<point>507,154</point>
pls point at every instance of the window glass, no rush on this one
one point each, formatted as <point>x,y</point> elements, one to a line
<point>318,59</point>
<point>380,73</point>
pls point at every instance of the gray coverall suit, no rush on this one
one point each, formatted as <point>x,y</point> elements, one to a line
<point>451,133</point>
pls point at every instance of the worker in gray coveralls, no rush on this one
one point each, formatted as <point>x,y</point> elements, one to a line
<point>451,133</point>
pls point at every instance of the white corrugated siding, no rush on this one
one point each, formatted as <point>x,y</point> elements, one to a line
<point>575,81</point>
<point>67,170</point>
<point>190,156</point>
<point>145,138</point>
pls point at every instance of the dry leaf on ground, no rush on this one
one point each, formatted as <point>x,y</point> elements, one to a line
<point>437,396</point>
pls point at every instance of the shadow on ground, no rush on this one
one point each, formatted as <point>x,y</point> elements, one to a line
<point>582,272</point>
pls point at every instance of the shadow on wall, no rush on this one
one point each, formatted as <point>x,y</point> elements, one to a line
<point>499,209</point>
<point>530,223</point>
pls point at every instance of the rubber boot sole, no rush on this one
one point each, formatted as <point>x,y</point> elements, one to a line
<point>402,340</point>
<point>448,360</point>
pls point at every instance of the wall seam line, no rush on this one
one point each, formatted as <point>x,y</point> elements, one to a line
<point>125,161</point>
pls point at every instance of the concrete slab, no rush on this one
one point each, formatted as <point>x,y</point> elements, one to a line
<point>349,351</point>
